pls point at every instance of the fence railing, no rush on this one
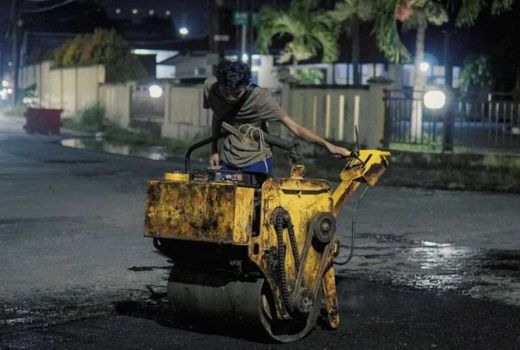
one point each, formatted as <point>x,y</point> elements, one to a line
<point>488,124</point>
<point>408,121</point>
<point>470,123</point>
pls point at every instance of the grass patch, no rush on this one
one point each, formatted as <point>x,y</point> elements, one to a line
<point>14,111</point>
<point>115,133</point>
<point>93,120</point>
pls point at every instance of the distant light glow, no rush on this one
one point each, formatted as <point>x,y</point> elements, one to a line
<point>3,94</point>
<point>168,12</point>
<point>434,99</point>
<point>5,83</point>
<point>184,31</point>
<point>118,10</point>
<point>151,12</point>
<point>9,91</point>
<point>245,57</point>
<point>135,11</point>
<point>424,66</point>
<point>155,91</point>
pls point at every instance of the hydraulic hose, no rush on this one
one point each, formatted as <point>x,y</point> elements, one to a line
<point>352,237</point>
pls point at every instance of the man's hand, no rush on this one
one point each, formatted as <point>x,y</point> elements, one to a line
<point>214,161</point>
<point>337,151</point>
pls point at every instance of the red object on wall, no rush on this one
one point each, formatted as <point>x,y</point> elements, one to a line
<point>43,120</point>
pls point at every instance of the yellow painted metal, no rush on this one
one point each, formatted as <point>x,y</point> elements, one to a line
<point>331,299</point>
<point>367,168</point>
<point>222,212</point>
<point>182,177</point>
<point>297,171</point>
<point>210,212</point>
<point>302,199</point>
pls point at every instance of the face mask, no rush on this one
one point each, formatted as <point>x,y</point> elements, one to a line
<point>232,95</point>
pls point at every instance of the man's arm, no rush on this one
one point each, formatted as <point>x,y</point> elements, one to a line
<point>310,136</point>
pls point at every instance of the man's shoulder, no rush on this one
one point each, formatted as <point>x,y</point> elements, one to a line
<point>261,94</point>
<point>209,82</point>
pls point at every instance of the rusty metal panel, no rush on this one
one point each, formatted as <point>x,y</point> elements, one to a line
<point>303,199</point>
<point>243,214</point>
<point>197,211</point>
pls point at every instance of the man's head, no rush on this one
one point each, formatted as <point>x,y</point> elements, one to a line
<point>233,77</point>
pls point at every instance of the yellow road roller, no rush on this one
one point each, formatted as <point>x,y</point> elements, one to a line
<point>254,250</point>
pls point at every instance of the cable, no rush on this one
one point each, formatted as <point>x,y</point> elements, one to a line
<point>51,7</point>
<point>351,253</point>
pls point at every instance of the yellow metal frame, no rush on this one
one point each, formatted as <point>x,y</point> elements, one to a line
<point>222,212</point>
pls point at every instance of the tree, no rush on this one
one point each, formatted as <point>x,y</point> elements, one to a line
<point>306,31</point>
<point>351,13</point>
<point>414,14</point>
<point>101,47</point>
<point>471,9</point>
<point>418,14</point>
<point>476,74</point>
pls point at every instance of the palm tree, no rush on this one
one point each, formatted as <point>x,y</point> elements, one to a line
<point>418,14</point>
<point>308,32</point>
<point>351,13</point>
<point>470,9</point>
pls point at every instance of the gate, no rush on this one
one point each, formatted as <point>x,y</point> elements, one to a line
<point>146,112</point>
<point>469,123</point>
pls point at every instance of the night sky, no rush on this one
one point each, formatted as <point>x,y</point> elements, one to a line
<point>493,35</point>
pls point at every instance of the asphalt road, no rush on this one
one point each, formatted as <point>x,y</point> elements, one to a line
<point>433,269</point>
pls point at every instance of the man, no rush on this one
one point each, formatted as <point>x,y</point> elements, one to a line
<point>233,99</point>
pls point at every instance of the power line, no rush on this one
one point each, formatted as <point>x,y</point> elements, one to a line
<point>48,8</point>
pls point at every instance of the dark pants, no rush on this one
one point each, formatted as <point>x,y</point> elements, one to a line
<point>261,167</point>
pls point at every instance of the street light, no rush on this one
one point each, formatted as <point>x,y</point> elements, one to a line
<point>155,91</point>
<point>245,58</point>
<point>424,66</point>
<point>184,31</point>
<point>434,99</point>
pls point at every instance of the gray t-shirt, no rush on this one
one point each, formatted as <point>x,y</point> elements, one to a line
<point>259,108</point>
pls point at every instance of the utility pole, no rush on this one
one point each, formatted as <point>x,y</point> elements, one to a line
<point>15,23</point>
<point>2,54</point>
<point>218,33</point>
<point>251,33</point>
<point>448,74</point>
<point>243,50</point>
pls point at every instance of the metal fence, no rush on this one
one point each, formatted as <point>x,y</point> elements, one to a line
<point>487,124</point>
<point>408,121</point>
<point>490,124</point>
<point>144,107</point>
